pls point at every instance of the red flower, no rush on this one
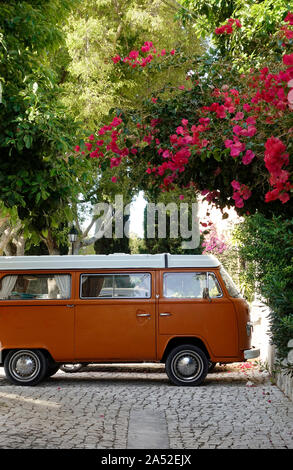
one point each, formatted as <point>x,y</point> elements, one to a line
<point>288,59</point>
<point>289,18</point>
<point>116,59</point>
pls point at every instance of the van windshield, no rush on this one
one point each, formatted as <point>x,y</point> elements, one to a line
<point>231,288</point>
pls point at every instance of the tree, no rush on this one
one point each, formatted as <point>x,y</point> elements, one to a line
<point>39,175</point>
<point>216,135</point>
<point>100,30</point>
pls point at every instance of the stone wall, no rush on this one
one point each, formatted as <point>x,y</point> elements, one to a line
<point>285,383</point>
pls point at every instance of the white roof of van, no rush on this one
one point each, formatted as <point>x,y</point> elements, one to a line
<point>119,260</point>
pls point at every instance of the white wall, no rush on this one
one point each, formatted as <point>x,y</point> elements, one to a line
<point>260,339</point>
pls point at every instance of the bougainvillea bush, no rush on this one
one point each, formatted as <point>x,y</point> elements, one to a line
<point>226,134</point>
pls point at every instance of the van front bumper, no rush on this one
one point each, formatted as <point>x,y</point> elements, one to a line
<point>251,353</point>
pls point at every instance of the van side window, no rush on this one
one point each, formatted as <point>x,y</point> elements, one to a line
<point>214,287</point>
<point>35,286</point>
<point>116,286</point>
<point>184,285</point>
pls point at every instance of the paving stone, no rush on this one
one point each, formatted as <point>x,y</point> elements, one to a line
<point>101,406</point>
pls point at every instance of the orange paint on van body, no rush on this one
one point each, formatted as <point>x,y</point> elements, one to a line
<point>124,330</point>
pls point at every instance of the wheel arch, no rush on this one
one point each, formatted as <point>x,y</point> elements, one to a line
<point>179,340</point>
<point>4,353</point>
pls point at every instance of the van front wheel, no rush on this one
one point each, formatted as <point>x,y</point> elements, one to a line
<point>25,366</point>
<point>187,365</point>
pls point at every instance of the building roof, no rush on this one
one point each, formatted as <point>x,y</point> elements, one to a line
<point>113,261</point>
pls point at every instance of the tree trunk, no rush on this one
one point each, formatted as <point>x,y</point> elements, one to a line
<point>51,244</point>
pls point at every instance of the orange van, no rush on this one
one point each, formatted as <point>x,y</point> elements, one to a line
<point>182,310</point>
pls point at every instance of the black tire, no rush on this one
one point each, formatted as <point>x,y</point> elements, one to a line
<point>25,367</point>
<point>187,365</point>
<point>52,369</point>
<point>212,365</point>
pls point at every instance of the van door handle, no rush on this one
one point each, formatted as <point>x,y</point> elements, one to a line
<point>165,314</point>
<point>69,305</point>
<point>143,314</point>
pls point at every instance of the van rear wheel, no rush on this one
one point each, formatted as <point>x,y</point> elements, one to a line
<point>187,365</point>
<point>25,366</point>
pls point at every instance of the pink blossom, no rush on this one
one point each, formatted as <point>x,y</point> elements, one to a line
<point>251,131</point>
<point>114,179</point>
<point>248,157</point>
<point>284,197</point>
<point>250,120</point>
<point>116,59</point>
<point>133,54</point>
<point>237,148</point>
<point>289,18</point>
<point>238,117</point>
<point>88,146</point>
<point>173,138</point>
<point>237,130</point>
<point>235,184</point>
<point>228,143</point>
<point>180,130</point>
<point>246,107</point>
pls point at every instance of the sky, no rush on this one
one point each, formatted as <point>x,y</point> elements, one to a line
<point>137,215</point>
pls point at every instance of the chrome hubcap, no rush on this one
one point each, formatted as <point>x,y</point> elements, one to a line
<point>187,366</point>
<point>24,365</point>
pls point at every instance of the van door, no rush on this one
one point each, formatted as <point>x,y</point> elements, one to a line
<point>115,317</point>
<point>183,310</point>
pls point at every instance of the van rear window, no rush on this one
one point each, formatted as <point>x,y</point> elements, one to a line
<point>116,286</point>
<point>35,286</point>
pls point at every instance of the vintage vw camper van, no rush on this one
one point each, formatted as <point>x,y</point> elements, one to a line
<point>182,310</point>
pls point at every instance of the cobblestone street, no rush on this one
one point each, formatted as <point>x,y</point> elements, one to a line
<point>107,407</point>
